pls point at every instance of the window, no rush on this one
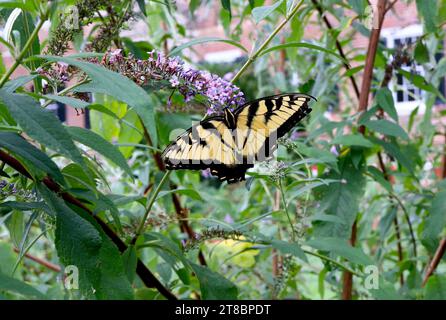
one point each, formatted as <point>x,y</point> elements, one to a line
<point>407,97</point>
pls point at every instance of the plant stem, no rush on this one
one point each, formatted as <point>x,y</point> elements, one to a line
<point>252,58</point>
<point>285,207</point>
<point>149,205</point>
<point>332,261</point>
<point>22,54</point>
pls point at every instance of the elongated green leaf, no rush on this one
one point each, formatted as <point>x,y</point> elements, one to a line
<point>191,193</point>
<point>22,206</point>
<point>436,220</point>
<point>16,286</point>
<point>353,140</point>
<point>16,83</point>
<point>96,142</point>
<point>73,102</point>
<point>289,248</point>
<point>421,53</point>
<point>384,99</point>
<point>40,125</point>
<point>428,10</point>
<point>394,150</point>
<point>195,42</point>
<point>379,177</point>
<point>387,128</point>
<point>340,199</point>
<point>260,13</point>
<point>214,286</point>
<point>226,4</point>
<point>19,146</point>
<point>302,45</point>
<point>341,248</point>
<point>321,155</point>
<point>82,243</point>
<point>117,86</point>
<point>130,260</point>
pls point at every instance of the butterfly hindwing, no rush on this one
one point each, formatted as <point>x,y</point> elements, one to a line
<point>208,144</point>
<point>228,145</point>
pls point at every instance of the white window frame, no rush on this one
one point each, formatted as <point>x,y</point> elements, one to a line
<point>390,34</point>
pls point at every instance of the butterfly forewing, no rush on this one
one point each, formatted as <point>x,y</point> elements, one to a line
<point>268,119</point>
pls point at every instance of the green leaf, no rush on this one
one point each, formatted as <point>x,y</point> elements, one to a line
<point>130,260</point>
<point>289,248</point>
<point>260,13</point>
<point>340,199</point>
<point>379,177</point>
<point>428,10</point>
<point>82,243</point>
<point>214,286</point>
<point>384,99</point>
<point>386,291</point>
<point>420,82</point>
<point>191,193</point>
<point>19,146</point>
<point>142,6</point>
<point>358,6</point>
<point>18,82</point>
<point>421,53</point>
<point>387,128</point>
<point>69,101</point>
<point>436,220</point>
<point>226,4</point>
<point>16,286</point>
<point>321,155</point>
<point>117,86</point>
<point>341,248</point>
<point>22,206</point>
<point>394,150</point>
<point>96,142</point>
<point>302,45</point>
<point>40,125</point>
<point>353,140</point>
<point>435,288</point>
<point>197,41</point>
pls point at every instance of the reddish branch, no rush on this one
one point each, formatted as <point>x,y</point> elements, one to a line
<point>46,264</point>
<point>363,102</point>
<point>143,272</point>
<point>363,97</point>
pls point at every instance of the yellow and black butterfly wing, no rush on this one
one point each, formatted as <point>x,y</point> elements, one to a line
<point>209,144</point>
<point>261,122</point>
<point>229,145</point>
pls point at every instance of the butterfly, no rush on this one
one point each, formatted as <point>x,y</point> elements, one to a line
<point>229,144</point>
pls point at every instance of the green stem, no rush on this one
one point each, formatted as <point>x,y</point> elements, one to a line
<point>150,204</point>
<point>340,265</point>
<point>65,91</point>
<point>22,54</point>
<point>252,58</point>
<point>285,207</point>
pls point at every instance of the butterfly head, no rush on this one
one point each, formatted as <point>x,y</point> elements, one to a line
<point>229,118</point>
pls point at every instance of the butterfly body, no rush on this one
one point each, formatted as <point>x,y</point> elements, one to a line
<point>230,144</point>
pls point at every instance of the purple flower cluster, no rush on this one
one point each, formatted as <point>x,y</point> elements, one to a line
<point>10,189</point>
<point>188,81</point>
<point>58,74</point>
